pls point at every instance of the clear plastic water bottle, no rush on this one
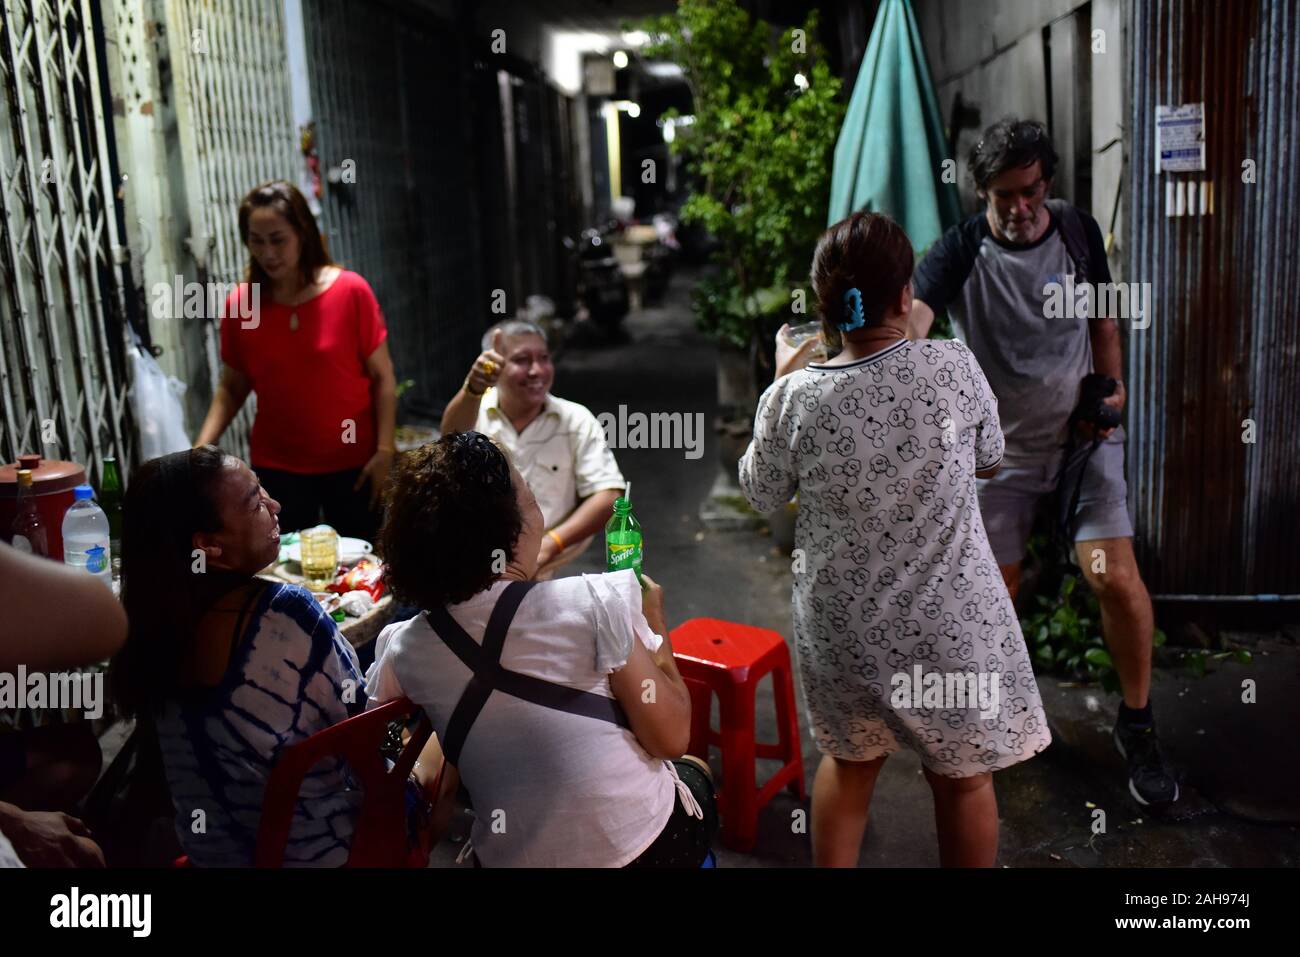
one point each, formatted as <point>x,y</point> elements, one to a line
<point>86,536</point>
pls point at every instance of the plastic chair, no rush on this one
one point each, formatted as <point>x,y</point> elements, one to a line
<point>729,659</point>
<point>379,838</point>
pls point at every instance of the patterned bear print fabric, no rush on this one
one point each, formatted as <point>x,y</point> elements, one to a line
<point>893,570</point>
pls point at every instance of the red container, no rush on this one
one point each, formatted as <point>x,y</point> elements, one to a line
<point>53,482</point>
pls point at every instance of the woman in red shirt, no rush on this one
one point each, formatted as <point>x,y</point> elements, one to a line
<point>309,338</point>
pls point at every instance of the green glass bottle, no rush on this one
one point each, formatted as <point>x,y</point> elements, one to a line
<point>623,542</point>
<point>110,500</point>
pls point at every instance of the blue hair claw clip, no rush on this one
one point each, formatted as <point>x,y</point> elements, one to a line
<point>856,319</point>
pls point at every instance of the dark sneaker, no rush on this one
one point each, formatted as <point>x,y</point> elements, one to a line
<point>1149,779</point>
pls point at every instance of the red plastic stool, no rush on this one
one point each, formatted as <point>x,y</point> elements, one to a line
<point>379,834</point>
<point>729,660</point>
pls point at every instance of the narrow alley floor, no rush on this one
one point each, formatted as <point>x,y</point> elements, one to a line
<point>1241,760</point>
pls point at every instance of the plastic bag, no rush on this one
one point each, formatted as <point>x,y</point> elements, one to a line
<point>364,576</point>
<point>156,405</point>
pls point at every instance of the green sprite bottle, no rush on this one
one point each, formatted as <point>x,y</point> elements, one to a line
<point>110,500</point>
<point>623,539</point>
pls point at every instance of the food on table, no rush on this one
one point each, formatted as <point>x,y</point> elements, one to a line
<point>366,575</point>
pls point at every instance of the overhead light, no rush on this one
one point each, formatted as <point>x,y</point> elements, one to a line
<point>664,71</point>
<point>582,42</point>
<point>670,124</point>
<point>620,59</point>
<point>562,57</point>
<point>636,38</point>
<point>801,81</point>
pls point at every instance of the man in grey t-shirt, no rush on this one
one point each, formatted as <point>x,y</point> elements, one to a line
<point>1003,276</point>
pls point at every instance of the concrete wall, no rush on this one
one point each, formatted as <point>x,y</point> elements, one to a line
<point>994,53</point>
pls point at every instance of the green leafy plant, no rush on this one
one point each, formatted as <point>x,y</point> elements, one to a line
<point>1064,635</point>
<point>1198,660</point>
<point>759,153</point>
<point>1063,632</point>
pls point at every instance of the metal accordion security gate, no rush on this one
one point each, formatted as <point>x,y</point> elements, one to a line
<point>62,306</point>
<point>235,125</point>
<point>392,97</point>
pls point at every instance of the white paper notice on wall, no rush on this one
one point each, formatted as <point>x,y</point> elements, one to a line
<point>1180,138</point>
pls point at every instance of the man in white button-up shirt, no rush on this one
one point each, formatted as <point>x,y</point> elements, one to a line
<point>557,445</point>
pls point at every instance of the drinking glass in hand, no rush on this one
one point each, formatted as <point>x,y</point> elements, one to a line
<point>796,336</point>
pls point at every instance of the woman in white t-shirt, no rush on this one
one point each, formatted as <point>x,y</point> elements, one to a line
<point>558,704</point>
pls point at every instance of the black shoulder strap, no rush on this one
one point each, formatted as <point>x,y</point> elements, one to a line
<point>488,675</point>
<point>503,613</point>
<point>482,661</point>
<point>1073,235</point>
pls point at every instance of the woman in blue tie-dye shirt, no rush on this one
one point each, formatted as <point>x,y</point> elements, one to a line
<point>230,668</point>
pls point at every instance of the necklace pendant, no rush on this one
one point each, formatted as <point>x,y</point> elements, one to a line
<point>293,322</point>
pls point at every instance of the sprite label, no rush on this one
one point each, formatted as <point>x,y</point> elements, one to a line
<point>623,540</point>
<point>620,555</point>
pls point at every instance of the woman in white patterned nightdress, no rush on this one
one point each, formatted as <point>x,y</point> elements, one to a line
<point>904,631</point>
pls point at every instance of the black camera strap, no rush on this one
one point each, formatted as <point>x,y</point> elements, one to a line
<point>1064,525</point>
<point>1094,390</point>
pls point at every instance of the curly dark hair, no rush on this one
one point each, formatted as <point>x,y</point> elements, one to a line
<point>452,517</point>
<point>868,251</point>
<point>1011,143</point>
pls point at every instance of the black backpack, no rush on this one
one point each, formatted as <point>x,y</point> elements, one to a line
<point>1072,234</point>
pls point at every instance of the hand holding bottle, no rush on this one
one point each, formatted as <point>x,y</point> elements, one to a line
<point>486,368</point>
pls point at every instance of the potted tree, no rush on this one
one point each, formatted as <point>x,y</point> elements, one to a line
<point>759,155</point>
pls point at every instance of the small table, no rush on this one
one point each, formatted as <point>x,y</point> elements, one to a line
<point>358,631</point>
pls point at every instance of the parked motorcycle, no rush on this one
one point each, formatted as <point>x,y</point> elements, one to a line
<point>601,286</point>
<point>661,257</point>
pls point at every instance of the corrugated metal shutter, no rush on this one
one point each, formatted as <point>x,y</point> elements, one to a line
<point>1216,515</point>
<point>495,205</point>
<point>391,95</point>
<point>544,171</point>
<point>62,381</point>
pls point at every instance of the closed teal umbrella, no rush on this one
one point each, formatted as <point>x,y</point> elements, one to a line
<point>891,148</point>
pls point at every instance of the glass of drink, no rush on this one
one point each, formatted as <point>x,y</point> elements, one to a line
<point>320,556</point>
<point>795,336</point>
